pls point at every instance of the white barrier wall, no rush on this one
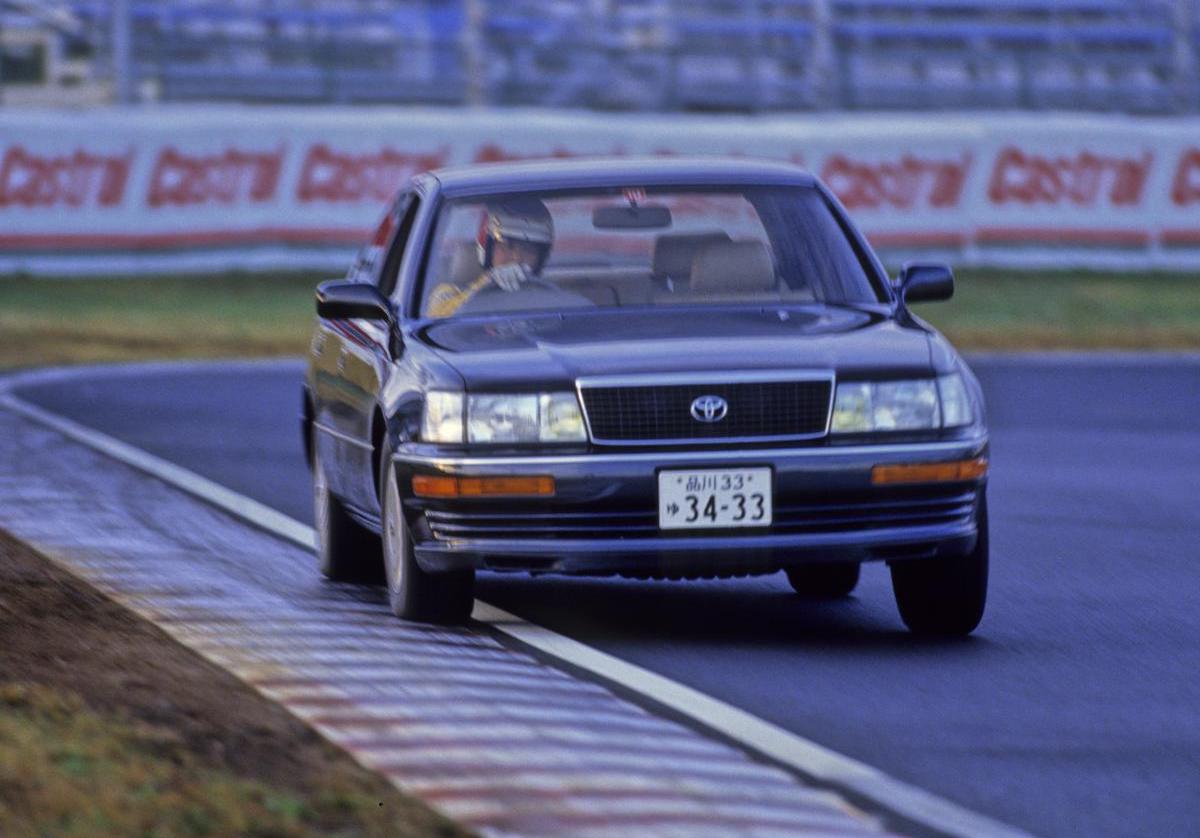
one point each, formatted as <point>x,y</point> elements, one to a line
<point>264,187</point>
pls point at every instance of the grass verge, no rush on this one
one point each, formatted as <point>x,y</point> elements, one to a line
<point>65,321</point>
<point>57,321</point>
<point>67,770</point>
<point>1056,310</point>
<point>109,727</point>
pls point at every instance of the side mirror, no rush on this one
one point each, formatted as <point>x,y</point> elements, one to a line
<point>341,300</point>
<point>925,283</point>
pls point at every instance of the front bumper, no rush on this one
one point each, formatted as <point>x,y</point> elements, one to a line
<point>603,517</point>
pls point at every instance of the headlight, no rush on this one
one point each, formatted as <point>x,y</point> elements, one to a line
<point>503,417</point>
<point>559,419</point>
<point>443,418</point>
<point>918,404</point>
<point>538,417</point>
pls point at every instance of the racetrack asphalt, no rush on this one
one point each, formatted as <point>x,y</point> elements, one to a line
<point>1071,711</point>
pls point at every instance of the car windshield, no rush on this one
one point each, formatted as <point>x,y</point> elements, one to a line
<point>634,246</point>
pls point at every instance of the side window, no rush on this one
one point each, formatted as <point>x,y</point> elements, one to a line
<point>367,262</point>
<point>391,264</point>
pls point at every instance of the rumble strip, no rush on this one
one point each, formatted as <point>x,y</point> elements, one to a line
<point>487,734</point>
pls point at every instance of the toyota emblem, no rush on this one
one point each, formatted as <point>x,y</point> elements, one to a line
<point>709,409</point>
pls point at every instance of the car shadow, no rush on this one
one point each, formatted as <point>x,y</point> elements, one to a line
<point>761,612</point>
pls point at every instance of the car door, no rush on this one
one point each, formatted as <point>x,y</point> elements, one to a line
<point>367,363</point>
<point>355,355</point>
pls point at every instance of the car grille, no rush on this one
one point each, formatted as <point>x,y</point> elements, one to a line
<point>763,410</point>
<point>826,513</point>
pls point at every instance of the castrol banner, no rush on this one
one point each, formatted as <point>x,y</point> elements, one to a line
<point>184,187</point>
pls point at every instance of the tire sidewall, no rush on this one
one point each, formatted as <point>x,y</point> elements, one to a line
<point>397,549</point>
<point>322,514</point>
<point>946,596</point>
<point>415,594</point>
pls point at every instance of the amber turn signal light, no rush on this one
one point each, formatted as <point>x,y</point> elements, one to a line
<point>426,486</point>
<point>930,472</point>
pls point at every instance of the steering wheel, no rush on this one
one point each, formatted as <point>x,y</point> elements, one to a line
<point>542,294</point>
<point>532,282</point>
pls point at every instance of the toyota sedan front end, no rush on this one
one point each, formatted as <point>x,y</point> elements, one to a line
<point>698,370</point>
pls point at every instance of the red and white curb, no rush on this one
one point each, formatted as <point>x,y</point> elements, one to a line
<point>487,734</point>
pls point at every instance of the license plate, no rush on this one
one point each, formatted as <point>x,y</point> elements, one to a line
<point>714,498</point>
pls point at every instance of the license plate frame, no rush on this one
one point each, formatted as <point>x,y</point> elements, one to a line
<point>715,491</point>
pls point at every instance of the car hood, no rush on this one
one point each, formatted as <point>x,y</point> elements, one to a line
<point>556,349</point>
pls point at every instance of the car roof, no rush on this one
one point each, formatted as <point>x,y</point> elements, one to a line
<point>616,171</point>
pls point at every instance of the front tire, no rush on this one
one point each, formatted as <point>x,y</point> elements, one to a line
<point>826,580</point>
<point>945,596</point>
<point>346,552</point>
<point>413,593</point>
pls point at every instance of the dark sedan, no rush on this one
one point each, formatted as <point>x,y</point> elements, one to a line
<point>654,368</point>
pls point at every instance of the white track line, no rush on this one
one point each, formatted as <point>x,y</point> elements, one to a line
<point>772,741</point>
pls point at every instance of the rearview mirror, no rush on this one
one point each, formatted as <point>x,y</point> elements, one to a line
<point>645,217</point>
<point>341,300</point>
<point>925,282</point>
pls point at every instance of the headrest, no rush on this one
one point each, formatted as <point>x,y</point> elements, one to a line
<point>673,253</point>
<point>733,267</point>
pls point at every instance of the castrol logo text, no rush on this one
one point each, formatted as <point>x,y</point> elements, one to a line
<point>78,179</point>
<point>233,176</point>
<point>1084,179</point>
<point>906,182</point>
<point>340,177</point>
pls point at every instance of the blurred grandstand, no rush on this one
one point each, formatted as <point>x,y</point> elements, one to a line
<point>1137,56</point>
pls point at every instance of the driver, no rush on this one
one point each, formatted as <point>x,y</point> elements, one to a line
<point>513,243</point>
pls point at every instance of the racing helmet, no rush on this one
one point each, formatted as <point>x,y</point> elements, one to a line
<point>524,220</point>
